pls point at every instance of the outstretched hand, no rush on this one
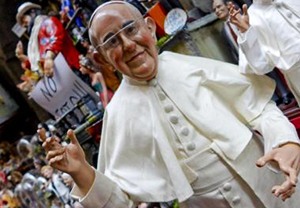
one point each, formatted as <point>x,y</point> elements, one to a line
<point>49,67</point>
<point>240,20</point>
<point>288,159</point>
<point>68,159</point>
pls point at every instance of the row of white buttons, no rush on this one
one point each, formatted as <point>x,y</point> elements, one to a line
<point>289,14</point>
<point>168,108</point>
<point>236,199</point>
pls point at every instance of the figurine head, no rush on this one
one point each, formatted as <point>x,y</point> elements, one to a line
<point>220,9</point>
<point>27,13</point>
<point>124,40</point>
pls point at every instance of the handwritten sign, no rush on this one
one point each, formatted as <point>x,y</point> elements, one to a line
<point>60,93</point>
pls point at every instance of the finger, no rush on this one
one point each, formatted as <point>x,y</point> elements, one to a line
<point>51,144</point>
<point>288,194</point>
<point>56,159</point>
<point>234,21</point>
<point>42,134</point>
<point>245,9</point>
<point>53,153</point>
<point>236,13</point>
<point>229,5</point>
<point>231,10</point>
<point>47,143</point>
<point>284,187</point>
<point>72,136</point>
<point>290,172</point>
<point>266,158</point>
<point>297,167</point>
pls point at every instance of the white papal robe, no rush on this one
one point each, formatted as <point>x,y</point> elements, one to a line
<point>155,133</point>
<point>273,40</point>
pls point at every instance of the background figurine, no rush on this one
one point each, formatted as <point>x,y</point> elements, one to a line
<point>97,80</point>
<point>270,37</point>
<point>47,39</point>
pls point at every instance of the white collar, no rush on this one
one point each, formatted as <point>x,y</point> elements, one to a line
<point>132,81</point>
<point>263,1</point>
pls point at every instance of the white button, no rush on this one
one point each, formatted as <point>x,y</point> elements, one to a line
<point>168,108</point>
<point>191,146</point>
<point>278,3</point>
<point>161,96</point>
<point>180,148</point>
<point>153,82</point>
<point>174,119</point>
<point>289,14</point>
<point>236,200</point>
<point>227,187</point>
<point>184,131</point>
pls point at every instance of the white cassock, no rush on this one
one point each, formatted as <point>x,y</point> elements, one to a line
<point>273,40</point>
<point>186,135</point>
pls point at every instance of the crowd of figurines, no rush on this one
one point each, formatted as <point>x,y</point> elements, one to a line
<point>74,16</point>
<point>26,179</point>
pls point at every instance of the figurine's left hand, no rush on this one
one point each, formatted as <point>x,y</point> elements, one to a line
<point>48,67</point>
<point>49,63</point>
<point>287,157</point>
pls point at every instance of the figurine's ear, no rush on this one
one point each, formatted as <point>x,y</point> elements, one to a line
<point>98,57</point>
<point>151,26</point>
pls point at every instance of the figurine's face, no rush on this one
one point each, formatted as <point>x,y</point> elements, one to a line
<point>47,172</point>
<point>220,10</point>
<point>67,180</point>
<point>126,41</point>
<point>26,20</point>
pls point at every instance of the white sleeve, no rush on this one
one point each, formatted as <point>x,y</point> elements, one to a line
<point>252,57</point>
<point>104,193</point>
<point>275,128</point>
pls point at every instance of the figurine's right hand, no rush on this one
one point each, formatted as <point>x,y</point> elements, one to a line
<point>240,20</point>
<point>68,159</point>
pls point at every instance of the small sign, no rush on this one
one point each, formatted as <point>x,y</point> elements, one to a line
<point>60,93</point>
<point>175,21</point>
<point>18,30</point>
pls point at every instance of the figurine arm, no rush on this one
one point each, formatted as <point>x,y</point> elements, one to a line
<point>240,20</point>
<point>53,29</point>
<point>105,92</point>
<point>252,56</point>
<point>92,188</point>
<point>104,193</point>
<point>69,159</point>
<point>281,146</point>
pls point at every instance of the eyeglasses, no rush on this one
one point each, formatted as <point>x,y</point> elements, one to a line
<point>129,31</point>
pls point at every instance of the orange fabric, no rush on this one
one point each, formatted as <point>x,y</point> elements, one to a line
<point>111,80</point>
<point>158,13</point>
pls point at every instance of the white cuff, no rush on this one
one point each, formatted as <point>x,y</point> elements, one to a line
<point>98,195</point>
<point>247,39</point>
<point>285,141</point>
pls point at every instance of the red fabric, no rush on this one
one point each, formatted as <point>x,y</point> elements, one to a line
<point>232,32</point>
<point>296,122</point>
<point>110,95</point>
<point>52,36</point>
<point>27,64</point>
